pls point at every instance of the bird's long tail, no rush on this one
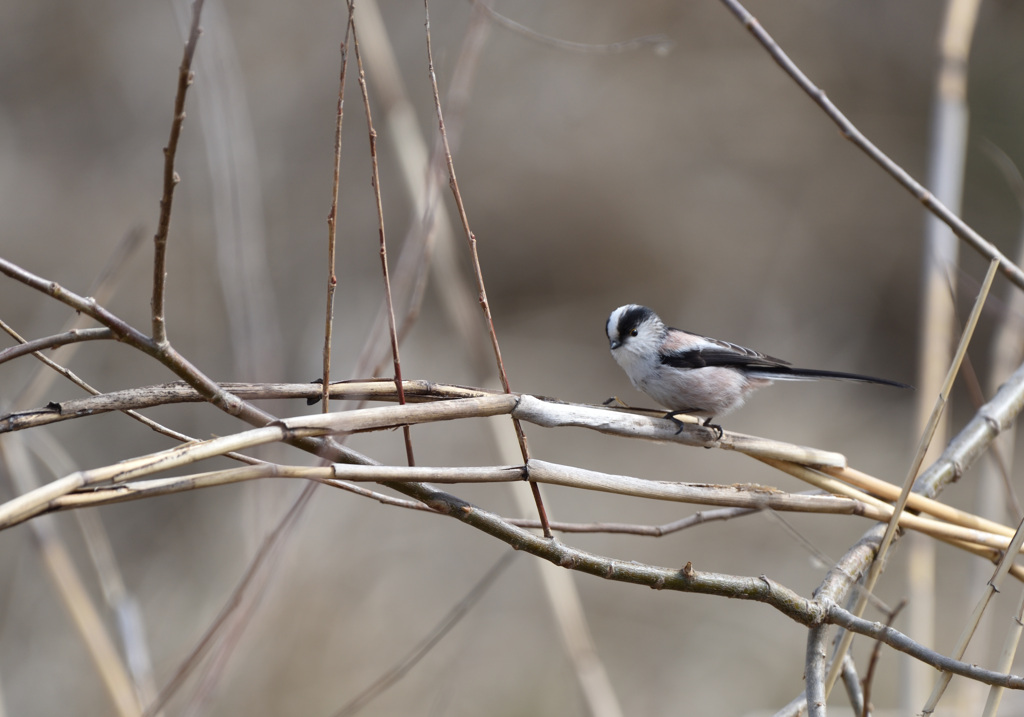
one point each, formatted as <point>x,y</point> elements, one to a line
<point>787,373</point>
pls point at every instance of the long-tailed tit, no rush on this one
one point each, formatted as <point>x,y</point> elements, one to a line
<point>687,373</point>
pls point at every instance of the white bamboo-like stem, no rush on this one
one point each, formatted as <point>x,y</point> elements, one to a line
<point>947,155</point>
<point>844,500</point>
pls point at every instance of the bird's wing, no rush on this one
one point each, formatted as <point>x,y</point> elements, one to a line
<point>686,350</point>
<point>714,356</point>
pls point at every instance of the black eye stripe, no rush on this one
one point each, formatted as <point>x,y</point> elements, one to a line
<point>632,318</point>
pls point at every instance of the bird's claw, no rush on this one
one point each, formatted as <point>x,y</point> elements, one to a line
<point>714,428</point>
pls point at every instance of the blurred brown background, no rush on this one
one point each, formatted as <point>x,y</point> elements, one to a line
<point>701,183</point>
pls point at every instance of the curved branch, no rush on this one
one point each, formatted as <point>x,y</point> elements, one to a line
<point>51,342</point>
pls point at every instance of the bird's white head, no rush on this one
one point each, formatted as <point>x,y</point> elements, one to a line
<point>635,334</point>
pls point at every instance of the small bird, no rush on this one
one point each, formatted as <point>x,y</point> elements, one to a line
<point>687,373</point>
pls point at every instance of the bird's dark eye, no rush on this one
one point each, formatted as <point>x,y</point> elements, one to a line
<point>634,332</point>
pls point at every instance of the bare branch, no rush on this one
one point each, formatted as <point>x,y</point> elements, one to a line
<point>475,258</point>
<point>876,652</point>
<point>687,579</point>
<point>332,218</point>
<point>171,179</point>
<point>49,342</point>
<point>657,531</point>
<point>375,182</point>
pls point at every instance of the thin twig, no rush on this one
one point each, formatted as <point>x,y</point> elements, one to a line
<point>49,342</point>
<point>171,178</point>
<point>475,259</point>
<point>429,243</point>
<point>656,531</point>
<point>849,131</point>
<point>332,218</point>
<point>876,653</point>
<point>375,182</point>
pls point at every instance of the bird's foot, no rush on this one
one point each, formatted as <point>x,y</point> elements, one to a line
<point>674,417</point>
<point>714,427</point>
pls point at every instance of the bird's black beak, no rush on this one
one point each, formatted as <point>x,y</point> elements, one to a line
<point>614,344</point>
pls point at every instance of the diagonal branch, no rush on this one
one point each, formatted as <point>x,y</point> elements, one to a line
<point>375,182</point>
<point>332,219</point>
<point>477,270</point>
<point>849,131</point>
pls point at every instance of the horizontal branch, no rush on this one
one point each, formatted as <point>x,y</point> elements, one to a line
<point>967,531</point>
<point>543,412</point>
<point>839,499</point>
<point>752,496</point>
<point>181,392</point>
<point>331,475</point>
<point>37,501</point>
<point>629,423</point>
<point>654,531</point>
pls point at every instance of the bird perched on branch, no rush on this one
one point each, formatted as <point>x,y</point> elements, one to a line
<point>705,377</point>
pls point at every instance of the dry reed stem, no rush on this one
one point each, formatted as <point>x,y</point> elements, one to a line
<point>751,497</point>
<point>969,629</point>
<point>1010,644</point>
<point>940,403</point>
<point>947,154</point>
<point>71,589</point>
